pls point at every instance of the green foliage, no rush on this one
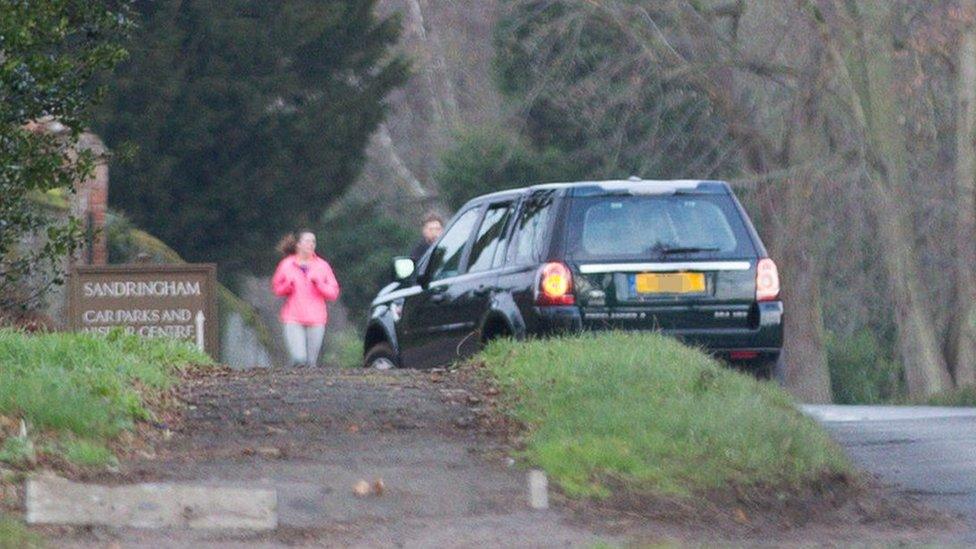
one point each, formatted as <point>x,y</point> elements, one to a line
<point>489,159</point>
<point>343,349</point>
<point>87,386</point>
<point>591,92</point>
<point>860,373</point>
<point>122,246</point>
<point>646,413</point>
<point>14,535</point>
<point>50,51</point>
<point>360,243</point>
<point>248,118</point>
<point>962,396</point>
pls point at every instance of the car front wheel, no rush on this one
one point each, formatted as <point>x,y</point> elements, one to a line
<point>380,357</point>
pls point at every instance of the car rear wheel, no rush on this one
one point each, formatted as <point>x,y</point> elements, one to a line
<point>380,357</point>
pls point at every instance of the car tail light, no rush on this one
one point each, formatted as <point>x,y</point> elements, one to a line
<point>555,285</point>
<point>767,280</point>
<point>743,355</point>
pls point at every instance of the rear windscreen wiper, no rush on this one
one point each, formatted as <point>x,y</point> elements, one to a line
<point>665,250</point>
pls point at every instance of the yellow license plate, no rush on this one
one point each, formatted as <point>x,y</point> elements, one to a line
<point>670,283</point>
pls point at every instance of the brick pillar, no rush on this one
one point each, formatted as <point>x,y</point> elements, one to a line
<point>91,203</point>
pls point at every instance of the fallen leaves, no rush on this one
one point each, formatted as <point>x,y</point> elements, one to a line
<point>362,488</point>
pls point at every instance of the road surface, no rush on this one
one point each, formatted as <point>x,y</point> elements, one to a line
<point>927,452</point>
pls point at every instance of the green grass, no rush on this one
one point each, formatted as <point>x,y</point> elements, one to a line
<point>17,451</point>
<point>87,387</point>
<point>14,535</point>
<point>644,412</point>
<point>963,396</point>
<point>87,453</point>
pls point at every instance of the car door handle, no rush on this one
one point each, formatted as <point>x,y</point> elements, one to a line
<point>437,298</point>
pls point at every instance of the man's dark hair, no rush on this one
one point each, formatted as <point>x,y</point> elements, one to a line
<point>433,216</point>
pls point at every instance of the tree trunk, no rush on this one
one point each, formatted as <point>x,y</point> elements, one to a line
<point>806,377</point>
<point>807,374</point>
<point>870,61</point>
<point>925,371</point>
<point>962,323</point>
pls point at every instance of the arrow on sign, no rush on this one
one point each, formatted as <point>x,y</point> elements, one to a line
<point>200,320</point>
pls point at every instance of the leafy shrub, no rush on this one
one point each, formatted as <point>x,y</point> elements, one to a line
<point>489,159</point>
<point>343,349</point>
<point>963,396</point>
<point>360,243</point>
<point>860,373</point>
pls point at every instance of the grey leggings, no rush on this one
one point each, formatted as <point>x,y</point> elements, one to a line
<point>304,342</point>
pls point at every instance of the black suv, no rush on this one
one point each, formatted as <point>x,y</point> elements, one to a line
<point>677,256</point>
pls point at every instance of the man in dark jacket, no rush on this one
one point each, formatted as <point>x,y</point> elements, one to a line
<point>431,230</point>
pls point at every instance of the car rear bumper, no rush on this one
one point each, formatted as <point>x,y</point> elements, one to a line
<point>766,337</point>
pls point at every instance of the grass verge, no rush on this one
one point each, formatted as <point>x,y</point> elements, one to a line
<point>646,414</point>
<point>79,392</point>
<point>14,535</point>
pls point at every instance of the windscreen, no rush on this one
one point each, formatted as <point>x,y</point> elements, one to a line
<point>656,227</point>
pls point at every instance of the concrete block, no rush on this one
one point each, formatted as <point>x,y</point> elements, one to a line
<point>538,489</point>
<point>53,500</point>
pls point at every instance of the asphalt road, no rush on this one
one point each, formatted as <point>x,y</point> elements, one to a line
<point>927,452</point>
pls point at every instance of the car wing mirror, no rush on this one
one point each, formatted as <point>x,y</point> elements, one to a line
<point>403,269</point>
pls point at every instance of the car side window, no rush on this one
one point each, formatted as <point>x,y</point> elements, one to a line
<point>445,259</point>
<point>531,230</point>
<point>489,237</point>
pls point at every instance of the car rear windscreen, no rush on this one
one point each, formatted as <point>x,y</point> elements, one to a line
<point>656,227</point>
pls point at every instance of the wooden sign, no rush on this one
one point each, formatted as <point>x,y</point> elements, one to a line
<point>177,301</point>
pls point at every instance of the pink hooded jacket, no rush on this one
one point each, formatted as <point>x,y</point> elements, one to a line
<point>307,292</point>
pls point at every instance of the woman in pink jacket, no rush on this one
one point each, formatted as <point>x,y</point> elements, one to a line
<point>307,283</point>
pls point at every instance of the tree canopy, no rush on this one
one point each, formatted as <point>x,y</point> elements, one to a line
<point>50,51</point>
<point>245,119</point>
<point>584,88</point>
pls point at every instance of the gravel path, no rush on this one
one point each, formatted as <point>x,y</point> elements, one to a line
<point>313,434</point>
